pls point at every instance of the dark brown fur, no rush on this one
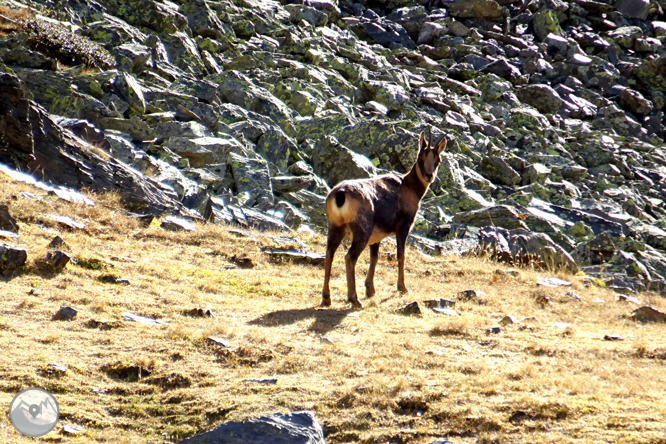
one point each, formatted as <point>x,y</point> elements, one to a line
<point>369,210</point>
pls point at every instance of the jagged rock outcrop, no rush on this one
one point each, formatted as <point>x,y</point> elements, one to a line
<point>248,112</point>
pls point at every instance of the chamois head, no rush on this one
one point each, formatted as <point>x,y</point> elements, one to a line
<point>428,159</point>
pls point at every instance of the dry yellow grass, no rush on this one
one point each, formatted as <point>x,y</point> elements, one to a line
<point>371,376</point>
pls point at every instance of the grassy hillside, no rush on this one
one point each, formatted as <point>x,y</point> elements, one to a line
<point>371,376</point>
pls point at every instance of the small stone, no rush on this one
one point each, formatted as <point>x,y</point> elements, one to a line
<point>57,259</point>
<point>507,273</point>
<point>627,298</point>
<point>508,320</point>
<point>8,234</point>
<point>243,261</point>
<point>71,430</point>
<point>467,294</point>
<point>142,319</point>
<point>58,242</point>
<point>218,342</point>
<point>553,282</point>
<point>562,325</point>
<point>198,312</point>
<point>573,295</point>
<point>297,256</point>
<point>57,368</point>
<point>376,107</point>
<point>648,314</point>
<point>177,224</point>
<point>445,311</point>
<point>410,309</point>
<point>267,381</point>
<point>439,303</point>
<point>325,340</point>
<point>611,337</point>
<point>542,300</point>
<point>67,222</point>
<point>111,279</point>
<point>494,330</point>
<point>65,314</point>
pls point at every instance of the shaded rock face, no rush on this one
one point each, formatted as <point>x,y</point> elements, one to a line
<point>554,112</point>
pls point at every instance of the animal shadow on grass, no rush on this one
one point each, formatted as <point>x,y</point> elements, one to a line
<point>323,320</point>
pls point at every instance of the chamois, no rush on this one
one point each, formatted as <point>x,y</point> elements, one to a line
<point>368,210</point>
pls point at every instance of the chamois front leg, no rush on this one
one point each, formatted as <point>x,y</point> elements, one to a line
<point>357,246</point>
<point>369,279</point>
<point>401,239</point>
<point>335,236</point>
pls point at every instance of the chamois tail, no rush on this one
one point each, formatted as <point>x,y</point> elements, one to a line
<point>341,207</point>
<point>340,198</point>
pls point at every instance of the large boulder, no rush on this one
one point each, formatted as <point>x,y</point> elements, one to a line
<point>290,428</point>
<point>33,141</point>
<point>523,247</point>
<point>335,162</point>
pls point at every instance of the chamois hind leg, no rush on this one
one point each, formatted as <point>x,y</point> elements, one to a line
<point>359,242</point>
<point>401,239</point>
<point>335,236</point>
<point>369,279</point>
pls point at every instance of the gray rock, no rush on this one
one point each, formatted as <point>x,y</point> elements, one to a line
<point>335,162</point>
<point>542,97</point>
<point>487,9</point>
<point>648,314</point>
<point>545,22</point>
<point>238,89</point>
<point>65,314</point>
<point>251,179</point>
<point>177,224</point>
<point>497,170</point>
<point>499,216</point>
<point>392,95</point>
<point>313,205</point>
<point>311,15</point>
<point>535,173</point>
<point>132,93</point>
<point>11,258</point>
<point>635,102</point>
<point>633,8</point>
<point>291,428</point>
<point>57,260</point>
<point>410,309</point>
<point>141,319</point>
<point>384,32</point>
<point>203,151</point>
<point>287,184</point>
<point>519,246</point>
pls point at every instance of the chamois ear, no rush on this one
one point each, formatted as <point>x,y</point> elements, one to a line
<point>422,142</point>
<point>441,145</point>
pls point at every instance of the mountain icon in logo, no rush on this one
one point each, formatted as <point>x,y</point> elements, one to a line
<point>34,412</point>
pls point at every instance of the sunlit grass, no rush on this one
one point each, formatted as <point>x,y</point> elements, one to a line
<point>371,376</point>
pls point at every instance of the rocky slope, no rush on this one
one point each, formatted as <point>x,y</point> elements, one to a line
<point>247,111</point>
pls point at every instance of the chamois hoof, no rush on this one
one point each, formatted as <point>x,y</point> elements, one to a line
<point>369,291</point>
<point>356,305</point>
<point>325,302</point>
<point>403,290</point>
